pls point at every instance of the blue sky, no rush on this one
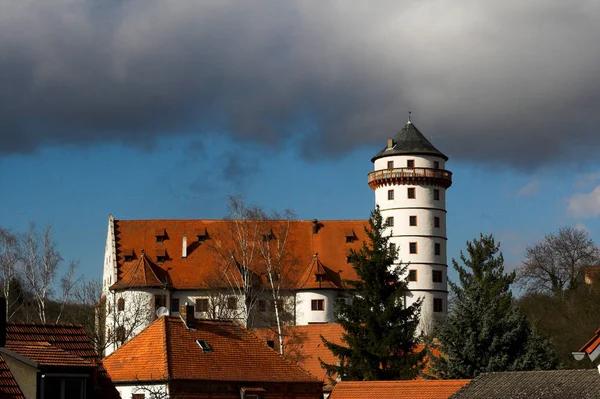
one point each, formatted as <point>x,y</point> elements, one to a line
<point>161,109</point>
<point>75,188</point>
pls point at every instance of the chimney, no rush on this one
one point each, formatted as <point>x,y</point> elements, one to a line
<point>2,322</point>
<point>184,246</point>
<point>315,227</point>
<point>186,312</point>
<point>390,143</point>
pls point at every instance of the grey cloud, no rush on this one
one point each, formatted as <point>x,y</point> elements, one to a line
<point>493,82</point>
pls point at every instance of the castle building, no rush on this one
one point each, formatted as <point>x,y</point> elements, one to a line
<point>155,266</point>
<point>410,182</point>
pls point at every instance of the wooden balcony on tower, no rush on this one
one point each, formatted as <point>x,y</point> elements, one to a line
<point>410,176</point>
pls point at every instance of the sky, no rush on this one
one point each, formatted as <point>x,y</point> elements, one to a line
<point>162,109</point>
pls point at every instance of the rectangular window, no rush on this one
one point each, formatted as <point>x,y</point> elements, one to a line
<point>412,275</point>
<point>389,221</point>
<point>437,276</point>
<point>390,164</point>
<point>436,165</point>
<point>390,194</point>
<point>120,334</point>
<point>231,303</point>
<point>437,248</point>
<point>174,304</point>
<point>160,239</point>
<point>202,305</point>
<point>436,222</point>
<point>159,300</point>
<point>348,259</point>
<point>392,248</point>
<point>438,305</point>
<point>411,193</point>
<point>138,396</point>
<point>317,304</point>
<point>128,258</point>
<point>412,220</point>
<point>121,305</point>
<point>412,247</point>
<point>410,163</point>
<point>436,194</point>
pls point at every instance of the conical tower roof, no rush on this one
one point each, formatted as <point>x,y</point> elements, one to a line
<point>143,274</point>
<point>409,141</point>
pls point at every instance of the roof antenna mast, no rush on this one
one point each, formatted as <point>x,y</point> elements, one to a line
<point>409,117</point>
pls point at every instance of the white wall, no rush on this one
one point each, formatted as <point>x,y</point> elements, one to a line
<point>109,276</point>
<point>304,313</point>
<point>126,391</point>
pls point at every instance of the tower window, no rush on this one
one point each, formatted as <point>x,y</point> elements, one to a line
<point>410,163</point>
<point>412,247</point>
<point>174,304</point>
<point>438,305</point>
<point>231,303</point>
<point>436,194</point>
<point>202,305</point>
<point>412,220</point>
<point>437,276</point>
<point>389,221</point>
<point>390,194</point>
<point>412,275</point>
<point>436,222</point>
<point>436,165</point>
<point>437,248</point>
<point>317,304</point>
<point>390,164</point>
<point>392,247</point>
<point>121,305</point>
<point>411,193</point>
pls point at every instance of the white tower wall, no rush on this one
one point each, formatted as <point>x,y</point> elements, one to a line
<point>419,219</point>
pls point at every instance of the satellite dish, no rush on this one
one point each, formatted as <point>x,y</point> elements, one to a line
<point>162,311</point>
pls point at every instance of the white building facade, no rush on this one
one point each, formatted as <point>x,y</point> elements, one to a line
<point>410,182</point>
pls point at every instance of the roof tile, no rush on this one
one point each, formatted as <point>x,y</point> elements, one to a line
<point>421,389</point>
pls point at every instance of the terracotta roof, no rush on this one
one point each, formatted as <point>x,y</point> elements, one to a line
<point>8,386</point>
<point>201,263</point>
<point>305,347</point>
<point>421,389</point>
<point>143,273</point>
<point>66,337</point>
<point>168,349</point>
<point>47,355</point>
<point>410,140</point>
<point>592,344</point>
<point>554,384</point>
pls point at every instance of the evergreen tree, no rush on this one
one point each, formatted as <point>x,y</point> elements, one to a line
<point>380,328</point>
<point>485,331</point>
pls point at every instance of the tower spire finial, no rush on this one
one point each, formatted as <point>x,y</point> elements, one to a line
<point>409,117</point>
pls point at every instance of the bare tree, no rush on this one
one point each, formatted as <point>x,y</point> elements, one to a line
<point>126,315</point>
<point>238,254</point>
<point>554,265</point>
<point>10,267</point>
<point>280,267</point>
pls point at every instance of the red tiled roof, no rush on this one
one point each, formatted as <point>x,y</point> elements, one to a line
<point>168,349</point>
<point>47,355</point>
<point>419,389</point>
<point>143,273</point>
<point>8,386</point>
<point>592,344</point>
<point>201,263</point>
<point>69,338</point>
<point>305,347</point>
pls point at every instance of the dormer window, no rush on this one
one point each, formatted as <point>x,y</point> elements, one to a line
<point>319,278</point>
<point>201,235</point>
<point>204,345</point>
<point>160,235</point>
<point>128,254</point>
<point>268,236</point>
<point>161,255</point>
<point>350,236</point>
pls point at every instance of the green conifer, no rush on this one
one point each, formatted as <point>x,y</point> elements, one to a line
<point>485,331</point>
<point>380,329</point>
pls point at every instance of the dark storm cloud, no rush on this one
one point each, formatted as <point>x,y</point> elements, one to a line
<point>491,81</point>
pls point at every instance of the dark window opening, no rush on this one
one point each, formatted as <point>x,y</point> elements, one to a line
<point>202,305</point>
<point>389,221</point>
<point>437,276</point>
<point>437,248</point>
<point>393,248</point>
<point>436,194</point>
<point>204,345</point>
<point>317,304</point>
<point>436,222</point>
<point>390,164</point>
<point>121,305</point>
<point>319,278</point>
<point>410,163</point>
<point>438,305</point>
<point>271,343</point>
<point>412,220</point>
<point>436,165</point>
<point>160,300</point>
<point>412,275</point>
<point>231,303</point>
<point>390,194</point>
<point>411,193</point>
<point>412,247</point>
<point>120,334</point>
<point>174,304</point>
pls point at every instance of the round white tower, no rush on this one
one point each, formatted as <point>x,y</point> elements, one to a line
<point>410,182</point>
